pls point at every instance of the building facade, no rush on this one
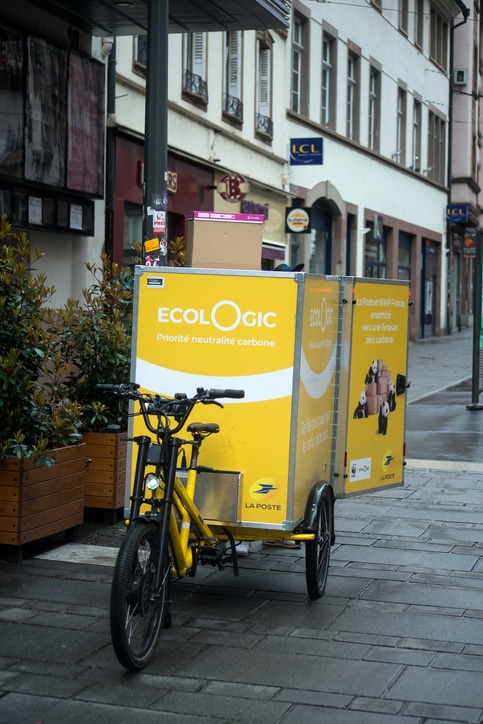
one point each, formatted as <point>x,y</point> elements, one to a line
<point>370,83</point>
<point>347,117</point>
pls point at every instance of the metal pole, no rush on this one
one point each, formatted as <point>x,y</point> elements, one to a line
<point>477,289</point>
<point>156,136</point>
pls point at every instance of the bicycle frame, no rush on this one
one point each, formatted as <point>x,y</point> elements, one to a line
<point>170,500</point>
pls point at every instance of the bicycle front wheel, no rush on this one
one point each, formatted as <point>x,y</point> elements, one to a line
<point>137,611</point>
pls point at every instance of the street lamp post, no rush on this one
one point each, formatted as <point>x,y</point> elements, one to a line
<point>156,136</point>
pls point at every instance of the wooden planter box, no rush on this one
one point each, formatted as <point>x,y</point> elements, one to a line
<point>105,483</point>
<point>37,501</point>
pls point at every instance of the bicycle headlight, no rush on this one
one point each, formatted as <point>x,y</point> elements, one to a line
<point>151,481</point>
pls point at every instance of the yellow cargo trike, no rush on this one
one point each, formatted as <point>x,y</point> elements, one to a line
<point>311,371</point>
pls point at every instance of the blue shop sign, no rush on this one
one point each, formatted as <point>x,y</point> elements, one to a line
<point>457,213</point>
<point>306,152</point>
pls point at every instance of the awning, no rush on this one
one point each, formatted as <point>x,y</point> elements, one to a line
<point>130,17</point>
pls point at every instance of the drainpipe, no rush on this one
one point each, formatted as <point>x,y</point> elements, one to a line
<point>465,12</point>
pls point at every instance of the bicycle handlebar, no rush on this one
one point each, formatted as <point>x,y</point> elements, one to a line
<point>179,407</point>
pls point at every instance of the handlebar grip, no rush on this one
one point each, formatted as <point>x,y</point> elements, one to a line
<point>122,390</point>
<point>233,394</point>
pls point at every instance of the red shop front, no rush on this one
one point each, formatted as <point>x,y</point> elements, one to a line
<point>188,190</point>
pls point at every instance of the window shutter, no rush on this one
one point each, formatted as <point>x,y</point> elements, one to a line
<point>264,82</point>
<point>233,64</point>
<point>199,54</point>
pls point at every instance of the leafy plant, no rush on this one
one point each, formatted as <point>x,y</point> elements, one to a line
<point>177,252</point>
<point>94,341</point>
<point>36,416</point>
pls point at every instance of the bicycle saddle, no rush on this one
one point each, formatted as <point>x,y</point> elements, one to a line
<point>203,427</point>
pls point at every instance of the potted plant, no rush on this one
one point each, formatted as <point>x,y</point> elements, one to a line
<point>95,342</point>
<point>177,252</point>
<point>42,462</point>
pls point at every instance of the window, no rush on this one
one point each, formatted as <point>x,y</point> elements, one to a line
<point>374,109</point>
<point>133,232</point>
<point>436,148</point>
<point>439,39</point>
<point>403,16</point>
<point>400,155</point>
<point>352,127</point>
<point>232,105</point>
<point>419,23</point>
<point>300,68</point>
<point>329,71</point>
<point>194,83</point>
<point>404,256</point>
<point>416,159</point>
<point>263,122</point>
<point>140,54</point>
<point>297,50</point>
<point>375,256</point>
<point>299,84</point>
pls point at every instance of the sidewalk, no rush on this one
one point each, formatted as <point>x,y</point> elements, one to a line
<point>398,637</point>
<point>438,363</point>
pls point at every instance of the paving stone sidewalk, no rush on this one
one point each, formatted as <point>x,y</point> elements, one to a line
<point>398,637</point>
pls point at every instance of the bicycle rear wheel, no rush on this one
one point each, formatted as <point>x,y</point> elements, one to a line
<point>137,611</point>
<point>317,551</point>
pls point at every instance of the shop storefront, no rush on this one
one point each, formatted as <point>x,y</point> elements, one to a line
<point>190,187</point>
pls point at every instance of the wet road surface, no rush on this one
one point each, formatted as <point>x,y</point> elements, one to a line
<point>441,427</point>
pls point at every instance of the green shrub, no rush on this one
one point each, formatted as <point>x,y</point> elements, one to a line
<point>36,416</point>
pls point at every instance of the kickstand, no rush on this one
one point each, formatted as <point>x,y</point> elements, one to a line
<point>234,559</point>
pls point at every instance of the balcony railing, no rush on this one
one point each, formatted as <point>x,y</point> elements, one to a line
<point>264,124</point>
<point>233,106</point>
<point>196,85</point>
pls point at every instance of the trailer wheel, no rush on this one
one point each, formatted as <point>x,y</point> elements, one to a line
<point>317,551</point>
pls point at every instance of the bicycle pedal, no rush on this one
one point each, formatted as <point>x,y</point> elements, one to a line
<point>211,555</point>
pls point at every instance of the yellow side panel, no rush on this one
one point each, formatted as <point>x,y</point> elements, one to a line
<point>376,415</point>
<point>227,331</point>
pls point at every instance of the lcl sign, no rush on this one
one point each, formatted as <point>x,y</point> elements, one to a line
<point>233,187</point>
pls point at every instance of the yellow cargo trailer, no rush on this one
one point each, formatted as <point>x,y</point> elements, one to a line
<point>323,363</point>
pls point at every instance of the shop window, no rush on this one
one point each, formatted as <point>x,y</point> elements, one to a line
<point>133,232</point>
<point>45,138</point>
<point>375,256</point>
<point>12,105</point>
<point>38,209</point>
<point>404,256</point>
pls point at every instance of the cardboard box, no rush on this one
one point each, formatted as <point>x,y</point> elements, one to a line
<point>374,404</point>
<point>383,385</point>
<point>217,240</point>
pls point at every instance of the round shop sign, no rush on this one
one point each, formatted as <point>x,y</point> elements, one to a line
<point>233,187</point>
<point>298,221</point>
